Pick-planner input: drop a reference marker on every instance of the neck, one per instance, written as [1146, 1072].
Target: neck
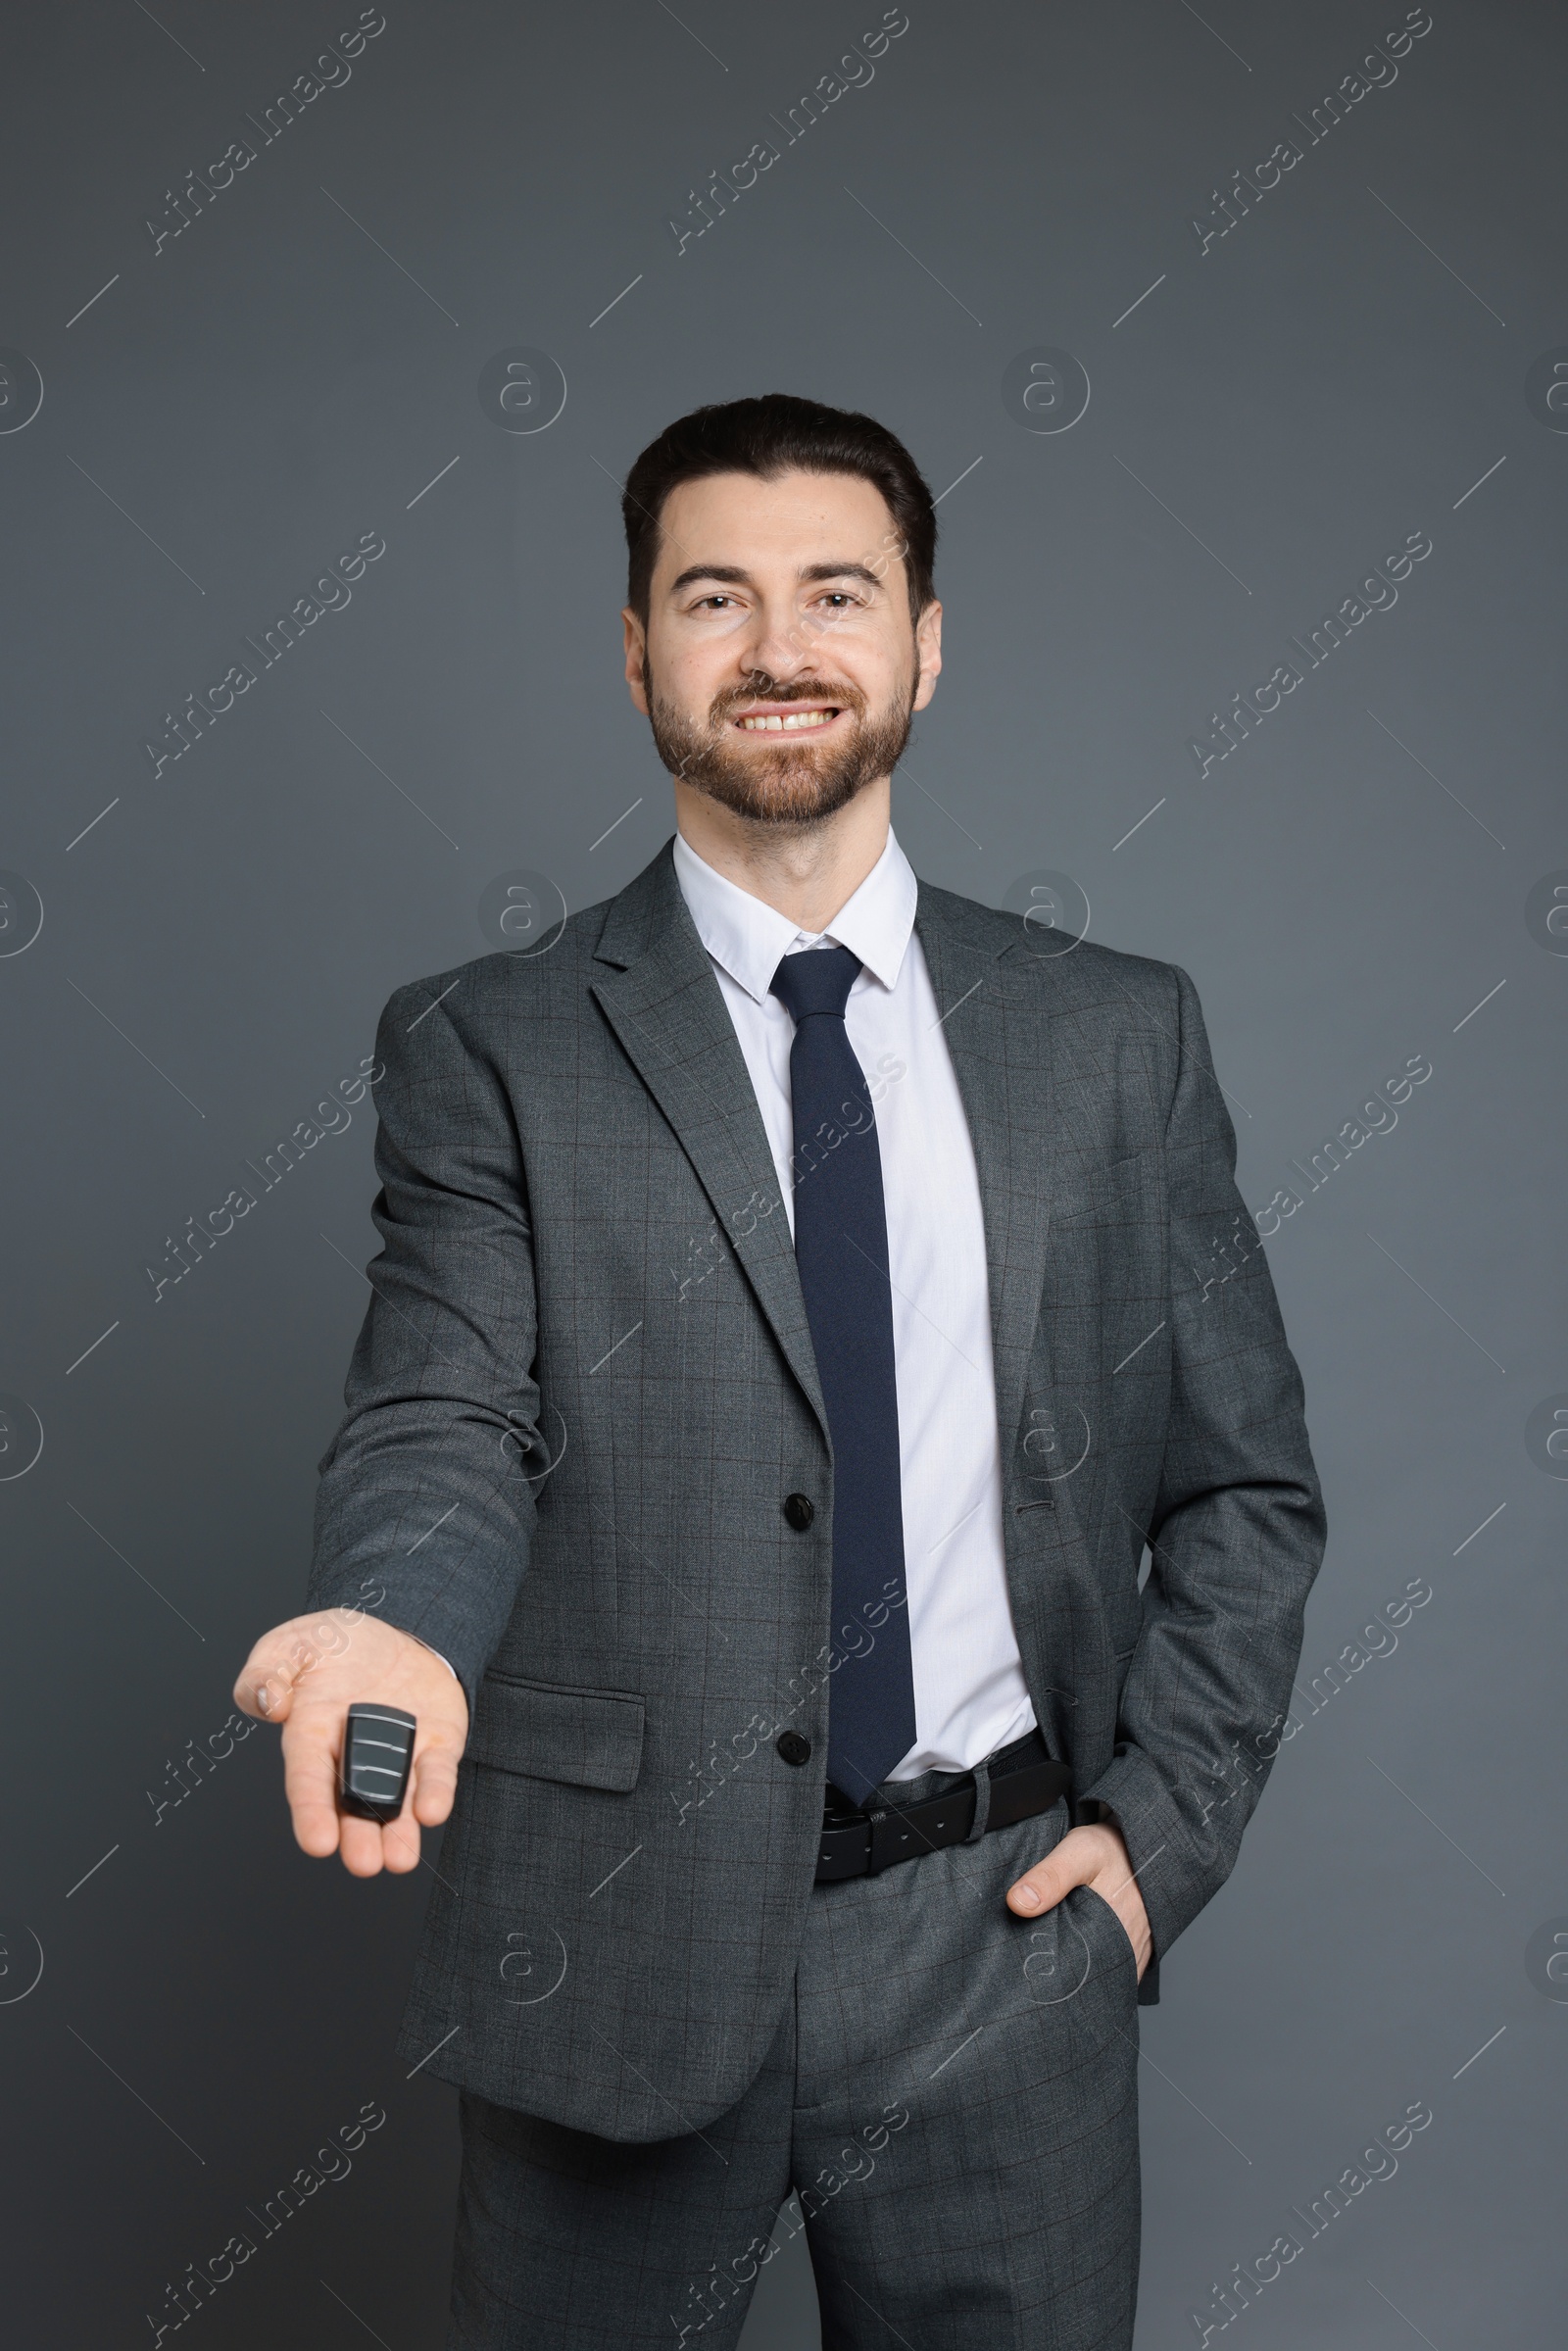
[807, 873]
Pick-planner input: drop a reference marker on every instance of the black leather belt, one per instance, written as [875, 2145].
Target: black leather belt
[1024, 1781]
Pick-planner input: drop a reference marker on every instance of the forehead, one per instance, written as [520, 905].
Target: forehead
[796, 518]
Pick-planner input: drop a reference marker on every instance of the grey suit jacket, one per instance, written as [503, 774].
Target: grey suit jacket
[585, 1386]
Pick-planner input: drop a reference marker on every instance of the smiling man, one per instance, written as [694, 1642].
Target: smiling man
[789, 1336]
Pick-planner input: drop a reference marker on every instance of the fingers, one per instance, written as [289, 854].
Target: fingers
[429, 1800]
[365, 1847]
[435, 1783]
[368, 1846]
[309, 1783]
[400, 1844]
[361, 1847]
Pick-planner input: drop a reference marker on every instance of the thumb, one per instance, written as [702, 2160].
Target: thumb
[1071, 1863]
[270, 1675]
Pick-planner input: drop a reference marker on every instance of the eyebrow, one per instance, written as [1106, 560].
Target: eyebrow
[735, 575]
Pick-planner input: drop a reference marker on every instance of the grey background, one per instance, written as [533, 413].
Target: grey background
[1277, 413]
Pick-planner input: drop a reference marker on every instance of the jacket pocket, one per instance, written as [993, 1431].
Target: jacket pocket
[551, 1731]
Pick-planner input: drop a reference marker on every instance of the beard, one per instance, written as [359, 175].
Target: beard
[794, 782]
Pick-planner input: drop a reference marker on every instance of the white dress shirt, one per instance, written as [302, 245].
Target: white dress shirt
[969, 1691]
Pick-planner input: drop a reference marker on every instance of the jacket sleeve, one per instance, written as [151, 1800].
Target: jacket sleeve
[1236, 1532]
[425, 1504]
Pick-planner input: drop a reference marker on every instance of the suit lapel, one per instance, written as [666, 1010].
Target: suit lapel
[667, 1010]
[1001, 1059]
[657, 991]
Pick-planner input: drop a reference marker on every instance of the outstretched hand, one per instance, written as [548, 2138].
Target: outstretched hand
[1095, 1857]
[303, 1676]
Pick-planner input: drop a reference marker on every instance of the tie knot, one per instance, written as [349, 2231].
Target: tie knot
[816, 980]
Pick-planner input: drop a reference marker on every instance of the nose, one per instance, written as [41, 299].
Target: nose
[778, 646]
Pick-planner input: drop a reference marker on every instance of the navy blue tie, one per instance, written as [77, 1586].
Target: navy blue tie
[841, 1248]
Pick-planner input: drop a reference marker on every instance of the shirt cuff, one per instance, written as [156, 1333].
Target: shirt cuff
[446, 1661]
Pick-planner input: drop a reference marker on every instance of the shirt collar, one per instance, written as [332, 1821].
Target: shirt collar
[748, 937]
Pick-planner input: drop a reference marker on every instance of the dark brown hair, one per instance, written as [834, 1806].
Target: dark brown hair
[770, 436]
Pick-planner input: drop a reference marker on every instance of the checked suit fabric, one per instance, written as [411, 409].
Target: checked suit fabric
[553, 1128]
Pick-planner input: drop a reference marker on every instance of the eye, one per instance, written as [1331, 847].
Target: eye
[715, 601]
[838, 600]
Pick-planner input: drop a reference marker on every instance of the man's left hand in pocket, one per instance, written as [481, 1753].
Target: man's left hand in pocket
[1095, 1857]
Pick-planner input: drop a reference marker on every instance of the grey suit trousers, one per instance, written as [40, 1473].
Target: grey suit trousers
[952, 2092]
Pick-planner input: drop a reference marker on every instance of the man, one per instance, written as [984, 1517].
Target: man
[790, 1330]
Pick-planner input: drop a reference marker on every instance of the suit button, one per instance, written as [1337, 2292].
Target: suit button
[792, 1748]
[800, 1510]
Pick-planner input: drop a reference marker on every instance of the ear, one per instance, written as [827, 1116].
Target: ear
[636, 637]
[928, 652]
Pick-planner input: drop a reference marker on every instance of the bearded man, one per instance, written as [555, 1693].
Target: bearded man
[785, 1346]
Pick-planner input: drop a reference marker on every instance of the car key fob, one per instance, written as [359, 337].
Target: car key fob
[377, 1750]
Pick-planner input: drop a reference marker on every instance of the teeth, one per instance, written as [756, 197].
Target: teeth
[772, 724]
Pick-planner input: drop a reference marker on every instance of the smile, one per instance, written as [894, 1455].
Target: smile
[792, 721]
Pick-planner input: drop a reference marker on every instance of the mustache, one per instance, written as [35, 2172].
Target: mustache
[761, 687]
[792, 781]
